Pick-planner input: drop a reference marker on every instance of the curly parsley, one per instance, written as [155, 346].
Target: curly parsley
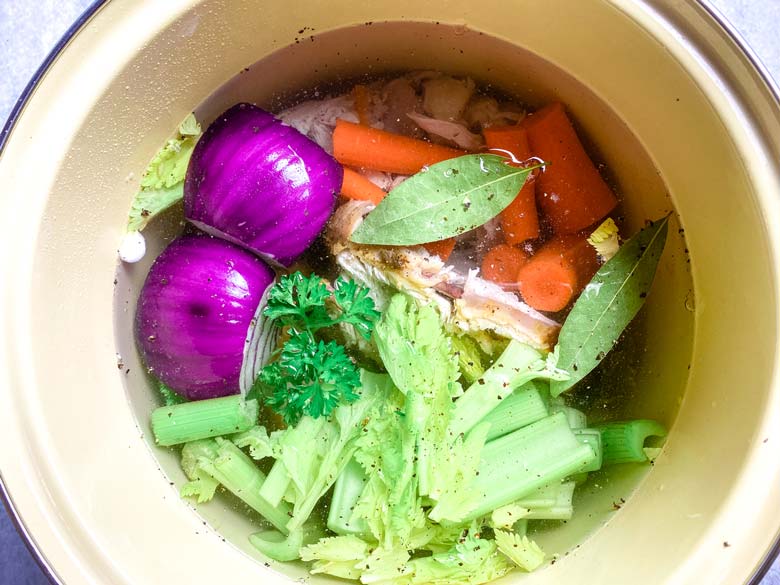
[312, 377]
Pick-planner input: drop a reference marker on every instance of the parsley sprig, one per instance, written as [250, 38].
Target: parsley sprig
[311, 376]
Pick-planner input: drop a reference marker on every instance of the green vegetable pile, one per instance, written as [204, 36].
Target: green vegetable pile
[432, 470]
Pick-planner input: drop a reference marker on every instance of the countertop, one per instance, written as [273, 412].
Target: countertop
[30, 28]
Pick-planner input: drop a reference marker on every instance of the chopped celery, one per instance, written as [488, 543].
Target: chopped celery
[520, 462]
[521, 527]
[507, 516]
[470, 357]
[346, 493]
[522, 551]
[228, 465]
[336, 555]
[578, 478]
[203, 419]
[561, 509]
[624, 442]
[276, 484]
[542, 497]
[576, 418]
[593, 438]
[522, 407]
[278, 546]
[519, 364]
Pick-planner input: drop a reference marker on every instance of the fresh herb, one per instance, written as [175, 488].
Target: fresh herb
[446, 200]
[608, 304]
[312, 377]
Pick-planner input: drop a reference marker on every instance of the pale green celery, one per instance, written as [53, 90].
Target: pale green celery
[276, 484]
[562, 509]
[471, 560]
[203, 419]
[470, 357]
[543, 497]
[230, 466]
[507, 516]
[576, 418]
[519, 364]
[623, 442]
[513, 466]
[522, 551]
[346, 493]
[579, 478]
[261, 445]
[336, 555]
[201, 485]
[279, 547]
[593, 438]
[522, 407]
[521, 527]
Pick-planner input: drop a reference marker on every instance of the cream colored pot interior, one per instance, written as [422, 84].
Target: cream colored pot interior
[100, 501]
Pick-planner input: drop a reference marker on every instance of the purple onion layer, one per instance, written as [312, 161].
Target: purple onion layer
[261, 184]
[194, 312]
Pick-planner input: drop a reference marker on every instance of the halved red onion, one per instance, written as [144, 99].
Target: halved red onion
[194, 312]
[261, 184]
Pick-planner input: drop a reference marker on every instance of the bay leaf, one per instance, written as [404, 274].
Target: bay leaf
[446, 200]
[608, 304]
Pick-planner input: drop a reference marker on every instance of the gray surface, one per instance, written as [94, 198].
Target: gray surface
[30, 28]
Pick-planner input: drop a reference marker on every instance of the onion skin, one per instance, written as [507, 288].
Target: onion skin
[194, 312]
[261, 184]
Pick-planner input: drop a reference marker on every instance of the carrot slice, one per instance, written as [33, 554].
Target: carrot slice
[361, 146]
[570, 192]
[442, 248]
[356, 186]
[557, 273]
[362, 97]
[502, 264]
[519, 221]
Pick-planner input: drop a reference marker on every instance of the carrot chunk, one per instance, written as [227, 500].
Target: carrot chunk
[557, 273]
[570, 191]
[519, 221]
[356, 186]
[355, 145]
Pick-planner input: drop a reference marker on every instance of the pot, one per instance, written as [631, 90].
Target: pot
[669, 100]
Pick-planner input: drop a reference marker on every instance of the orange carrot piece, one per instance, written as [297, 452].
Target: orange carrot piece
[362, 97]
[442, 248]
[356, 186]
[557, 273]
[519, 221]
[361, 146]
[570, 192]
[502, 264]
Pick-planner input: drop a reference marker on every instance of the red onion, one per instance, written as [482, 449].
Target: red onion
[194, 313]
[261, 184]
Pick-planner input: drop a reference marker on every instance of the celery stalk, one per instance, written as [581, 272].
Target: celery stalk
[523, 407]
[593, 438]
[203, 419]
[283, 548]
[227, 464]
[518, 463]
[624, 442]
[561, 509]
[576, 418]
[543, 497]
[276, 484]
[346, 493]
[518, 365]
